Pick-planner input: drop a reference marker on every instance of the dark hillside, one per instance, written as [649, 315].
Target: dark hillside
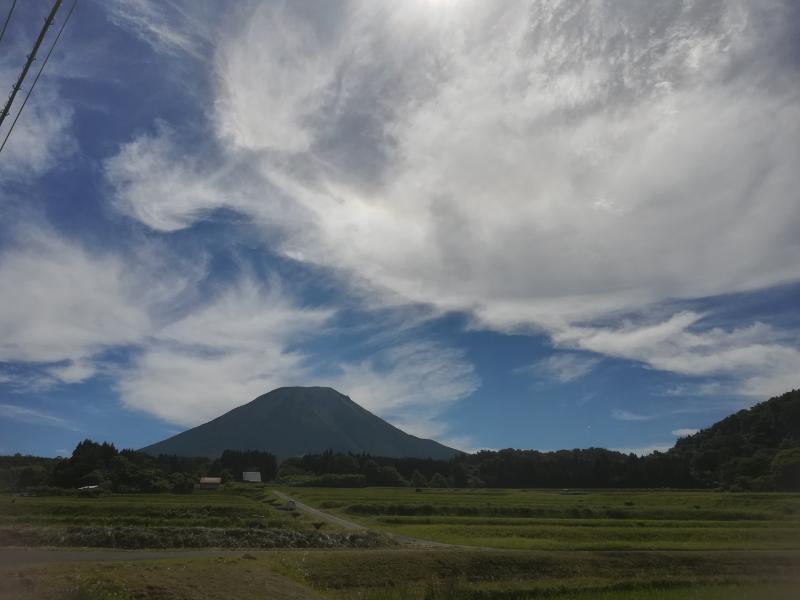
[756, 448]
[293, 421]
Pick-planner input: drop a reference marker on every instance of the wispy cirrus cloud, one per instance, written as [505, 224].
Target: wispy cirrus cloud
[384, 172]
[33, 417]
[62, 302]
[42, 139]
[563, 367]
[757, 360]
[619, 414]
[222, 353]
[179, 27]
[411, 385]
[192, 354]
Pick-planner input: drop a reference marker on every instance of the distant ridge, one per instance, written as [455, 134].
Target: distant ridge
[292, 421]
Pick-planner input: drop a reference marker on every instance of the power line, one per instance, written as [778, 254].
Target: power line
[8, 18]
[44, 63]
[31, 57]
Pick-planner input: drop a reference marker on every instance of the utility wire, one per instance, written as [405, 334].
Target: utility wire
[8, 18]
[31, 57]
[44, 63]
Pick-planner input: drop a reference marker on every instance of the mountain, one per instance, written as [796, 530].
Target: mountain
[292, 421]
[756, 448]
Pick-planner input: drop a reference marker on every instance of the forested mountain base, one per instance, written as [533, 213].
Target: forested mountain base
[756, 449]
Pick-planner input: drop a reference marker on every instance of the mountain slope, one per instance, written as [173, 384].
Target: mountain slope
[292, 421]
[750, 449]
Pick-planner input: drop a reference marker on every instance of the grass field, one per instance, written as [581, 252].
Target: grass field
[417, 575]
[591, 520]
[513, 545]
[238, 516]
[398, 574]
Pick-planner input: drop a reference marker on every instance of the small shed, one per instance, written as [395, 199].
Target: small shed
[252, 475]
[209, 483]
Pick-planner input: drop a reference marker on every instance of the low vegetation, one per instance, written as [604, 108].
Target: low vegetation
[237, 516]
[421, 575]
[438, 574]
[574, 519]
[512, 544]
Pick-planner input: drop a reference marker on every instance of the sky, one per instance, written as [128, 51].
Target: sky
[545, 224]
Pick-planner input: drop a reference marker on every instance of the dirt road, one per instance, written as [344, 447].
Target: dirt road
[315, 512]
[345, 524]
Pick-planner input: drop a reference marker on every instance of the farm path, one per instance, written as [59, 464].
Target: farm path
[315, 512]
[352, 525]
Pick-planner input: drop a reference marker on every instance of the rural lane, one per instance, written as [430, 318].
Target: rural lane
[343, 523]
[353, 526]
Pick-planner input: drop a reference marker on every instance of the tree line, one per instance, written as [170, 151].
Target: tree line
[754, 449]
[103, 467]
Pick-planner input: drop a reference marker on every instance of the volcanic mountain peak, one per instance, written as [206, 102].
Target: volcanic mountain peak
[292, 421]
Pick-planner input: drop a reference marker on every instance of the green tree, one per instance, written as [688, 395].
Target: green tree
[389, 476]
[343, 463]
[180, 483]
[371, 471]
[418, 479]
[785, 469]
[31, 476]
[438, 481]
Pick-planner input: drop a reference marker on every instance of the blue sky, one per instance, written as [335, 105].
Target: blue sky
[522, 224]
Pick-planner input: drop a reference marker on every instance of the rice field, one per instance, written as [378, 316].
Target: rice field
[573, 520]
[506, 545]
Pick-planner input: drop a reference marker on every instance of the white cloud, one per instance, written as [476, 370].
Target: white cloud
[74, 371]
[685, 432]
[563, 367]
[235, 348]
[756, 356]
[33, 417]
[291, 87]
[194, 355]
[159, 188]
[64, 305]
[182, 28]
[62, 302]
[189, 387]
[709, 388]
[221, 354]
[410, 385]
[624, 415]
[537, 165]
[42, 137]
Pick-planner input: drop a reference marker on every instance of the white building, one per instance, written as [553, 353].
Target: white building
[252, 476]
